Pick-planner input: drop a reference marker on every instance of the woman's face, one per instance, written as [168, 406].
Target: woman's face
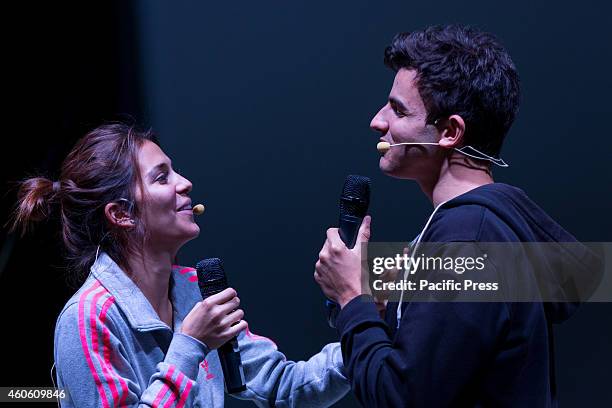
[167, 212]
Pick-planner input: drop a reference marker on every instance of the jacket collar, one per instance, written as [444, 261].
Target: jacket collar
[184, 294]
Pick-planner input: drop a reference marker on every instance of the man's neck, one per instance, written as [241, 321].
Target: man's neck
[457, 176]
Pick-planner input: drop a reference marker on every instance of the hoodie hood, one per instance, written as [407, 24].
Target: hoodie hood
[525, 221]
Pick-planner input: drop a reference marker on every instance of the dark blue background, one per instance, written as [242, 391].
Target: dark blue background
[266, 106]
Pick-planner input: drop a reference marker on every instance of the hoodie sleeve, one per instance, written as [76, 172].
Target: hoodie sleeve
[272, 381]
[94, 370]
[437, 349]
[434, 355]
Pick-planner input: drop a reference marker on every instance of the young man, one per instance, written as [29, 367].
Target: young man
[456, 90]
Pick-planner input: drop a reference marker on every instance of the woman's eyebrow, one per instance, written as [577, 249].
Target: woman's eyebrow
[155, 169]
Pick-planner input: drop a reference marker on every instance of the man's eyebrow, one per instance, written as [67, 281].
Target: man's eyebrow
[398, 103]
[158, 167]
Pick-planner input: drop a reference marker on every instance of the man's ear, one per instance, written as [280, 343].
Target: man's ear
[117, 215]
[451, 131]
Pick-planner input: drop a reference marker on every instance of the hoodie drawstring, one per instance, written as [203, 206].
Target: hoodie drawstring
[412, 253]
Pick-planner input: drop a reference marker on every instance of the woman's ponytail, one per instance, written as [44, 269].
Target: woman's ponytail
[37, 196]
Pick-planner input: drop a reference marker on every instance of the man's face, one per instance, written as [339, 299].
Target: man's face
[402, 119]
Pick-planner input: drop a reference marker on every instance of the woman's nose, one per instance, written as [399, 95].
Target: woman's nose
[184, 186]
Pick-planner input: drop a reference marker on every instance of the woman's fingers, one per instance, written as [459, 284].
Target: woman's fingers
[232, 318]
[227, 307]
[235, 329]
[221, 297]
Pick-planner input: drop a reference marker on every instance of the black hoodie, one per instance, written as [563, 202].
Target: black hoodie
[452, 354]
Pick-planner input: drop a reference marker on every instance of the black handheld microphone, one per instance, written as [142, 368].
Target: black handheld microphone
[212, 280]
[354, 203]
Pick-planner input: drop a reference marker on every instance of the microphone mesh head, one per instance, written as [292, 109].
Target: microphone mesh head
[211, 277]
[355, 197]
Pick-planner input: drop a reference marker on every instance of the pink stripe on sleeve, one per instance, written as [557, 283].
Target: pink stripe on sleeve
[106, 350]
[164, 388]
[254, 336]
[185, 394]
[177, 384]
[83, 337]
[160, 395]
[93, 331]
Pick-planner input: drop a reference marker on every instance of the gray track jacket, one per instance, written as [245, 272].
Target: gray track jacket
[111, 350]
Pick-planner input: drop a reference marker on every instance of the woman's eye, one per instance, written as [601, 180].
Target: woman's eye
[162, 178]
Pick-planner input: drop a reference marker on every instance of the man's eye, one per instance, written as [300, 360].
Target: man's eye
[398, 112]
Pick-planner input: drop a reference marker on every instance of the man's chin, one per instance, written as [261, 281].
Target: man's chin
[393, 171]
[387, 167]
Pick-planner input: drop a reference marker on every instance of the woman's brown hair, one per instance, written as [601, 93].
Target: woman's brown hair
[101, 168]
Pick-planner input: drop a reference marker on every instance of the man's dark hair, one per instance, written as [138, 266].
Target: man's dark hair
[462, 71]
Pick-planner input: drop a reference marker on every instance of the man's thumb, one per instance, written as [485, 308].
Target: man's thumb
[364, 230]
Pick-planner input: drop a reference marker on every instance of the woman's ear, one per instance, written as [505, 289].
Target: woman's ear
[117, 215]
[451, 131]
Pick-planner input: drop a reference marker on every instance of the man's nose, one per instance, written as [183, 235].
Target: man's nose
[379, 123]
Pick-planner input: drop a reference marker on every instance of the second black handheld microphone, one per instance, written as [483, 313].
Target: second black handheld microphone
[212, 280]
[354, 203]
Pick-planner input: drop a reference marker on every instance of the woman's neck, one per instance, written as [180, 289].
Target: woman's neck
[151, 273]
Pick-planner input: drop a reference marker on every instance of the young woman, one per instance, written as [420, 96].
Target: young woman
[137, 333]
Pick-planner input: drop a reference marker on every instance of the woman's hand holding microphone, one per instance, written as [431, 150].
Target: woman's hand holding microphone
[216, 319]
